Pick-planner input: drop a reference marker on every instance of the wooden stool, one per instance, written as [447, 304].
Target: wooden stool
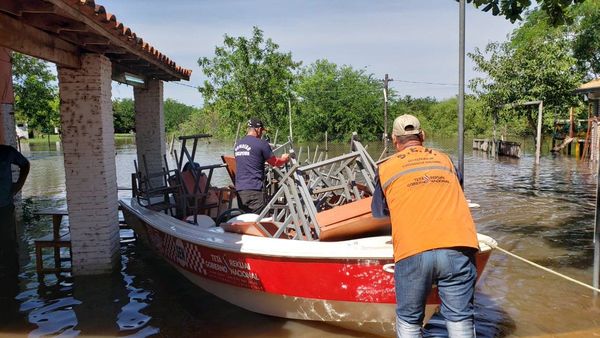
[48, 241]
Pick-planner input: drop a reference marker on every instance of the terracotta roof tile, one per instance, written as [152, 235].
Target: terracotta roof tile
[117, 29]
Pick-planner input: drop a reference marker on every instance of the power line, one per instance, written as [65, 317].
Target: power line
[336, 90]
[429, 83]
[184, 84]
[396, 80]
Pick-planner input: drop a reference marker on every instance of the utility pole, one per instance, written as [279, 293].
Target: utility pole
[290, 108]
[290, 117]
[386, 80]
[461, 88]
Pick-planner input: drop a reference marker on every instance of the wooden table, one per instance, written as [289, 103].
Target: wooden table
[57, 216]
[55, 240]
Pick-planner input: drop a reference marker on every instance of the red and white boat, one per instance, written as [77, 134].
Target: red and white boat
[347, 283]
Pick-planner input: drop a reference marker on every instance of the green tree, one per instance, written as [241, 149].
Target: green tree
[542, 69]
[557, 10]
[584, 34]
[439, 118]
[586, 42]
[123, 115]
[420, 107]
[248, 77]
[535, 27]
[200, 121]
[338, 100]
[36, 94]
[176, 113]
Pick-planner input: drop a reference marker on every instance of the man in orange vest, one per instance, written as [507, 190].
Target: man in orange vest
[433, 233]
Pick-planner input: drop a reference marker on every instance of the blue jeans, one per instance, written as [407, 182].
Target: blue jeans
[454, 273]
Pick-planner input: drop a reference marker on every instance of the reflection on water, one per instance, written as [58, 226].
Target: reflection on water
[544, 213]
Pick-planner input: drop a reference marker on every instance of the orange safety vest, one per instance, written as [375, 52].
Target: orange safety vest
[428, 209]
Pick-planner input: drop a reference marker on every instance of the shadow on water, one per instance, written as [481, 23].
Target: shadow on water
[60, 304]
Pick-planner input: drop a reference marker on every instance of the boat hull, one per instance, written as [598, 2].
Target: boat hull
[316, 283]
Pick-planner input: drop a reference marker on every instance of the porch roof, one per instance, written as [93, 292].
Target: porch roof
[589, 87]
[60, 30]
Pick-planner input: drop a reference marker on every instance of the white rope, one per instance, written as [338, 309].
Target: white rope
[495, 246]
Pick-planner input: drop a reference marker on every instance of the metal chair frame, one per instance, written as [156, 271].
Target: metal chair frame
[302, 191]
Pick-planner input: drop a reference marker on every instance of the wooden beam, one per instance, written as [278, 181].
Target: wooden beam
[134, 63]
[98, 27]
[18, 7]
[82, 39]
[103, 49]
[123, 57]
[26, 39]
[53, 23]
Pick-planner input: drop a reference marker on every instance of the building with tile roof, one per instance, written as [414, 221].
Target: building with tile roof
[91, 48]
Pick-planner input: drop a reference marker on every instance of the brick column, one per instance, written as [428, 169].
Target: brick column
[150, 125]
[8, 134]
[90, 170]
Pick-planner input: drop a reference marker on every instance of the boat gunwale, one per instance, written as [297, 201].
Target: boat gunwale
[368, 248]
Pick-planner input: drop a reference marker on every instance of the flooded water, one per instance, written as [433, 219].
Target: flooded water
[544, 213]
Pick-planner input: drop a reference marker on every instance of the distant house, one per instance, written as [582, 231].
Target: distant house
[591, 90]
[22, 131]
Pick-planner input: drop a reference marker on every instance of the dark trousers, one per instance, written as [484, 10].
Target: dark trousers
[9, 258]
[9, 266]
[252, 200]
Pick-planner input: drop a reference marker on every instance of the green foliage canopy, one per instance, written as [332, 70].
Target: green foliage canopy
[557, 10]
[247, 77]
[36, 94]
[123, 115]
[176, 113]
[583, 34]
[439, 118]
[338, 100]
[542, 69]
[586, 42]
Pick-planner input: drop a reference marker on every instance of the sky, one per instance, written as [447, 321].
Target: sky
[414, 41]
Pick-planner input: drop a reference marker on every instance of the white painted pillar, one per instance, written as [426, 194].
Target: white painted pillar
[150, 125]
[7, 98]
[90, 170]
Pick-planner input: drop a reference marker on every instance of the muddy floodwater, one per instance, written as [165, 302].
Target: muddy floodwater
[544, 213]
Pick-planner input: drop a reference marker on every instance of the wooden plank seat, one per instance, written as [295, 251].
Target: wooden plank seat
[50, 241]
[351, 220]
[348, 221]
[231, 168]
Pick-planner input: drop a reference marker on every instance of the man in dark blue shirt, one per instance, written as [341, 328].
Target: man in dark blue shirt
[8, 189]
[251, 152]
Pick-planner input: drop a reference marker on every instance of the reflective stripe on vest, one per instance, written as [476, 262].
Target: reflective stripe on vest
[425, 216]
[413, 170]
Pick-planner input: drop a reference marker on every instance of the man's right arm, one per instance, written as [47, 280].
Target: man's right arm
[278, 161]
[270, 158]
[379, 207]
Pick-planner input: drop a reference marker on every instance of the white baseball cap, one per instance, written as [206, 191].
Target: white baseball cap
[406, 125]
